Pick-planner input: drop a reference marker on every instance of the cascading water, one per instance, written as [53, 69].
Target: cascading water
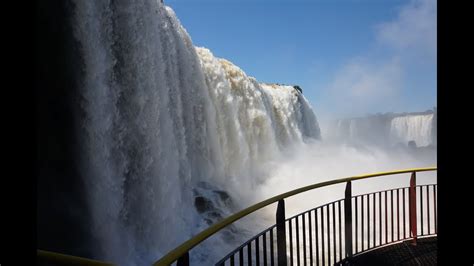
[388, 129]
[254, 120]
[160, 118]
[418, 128]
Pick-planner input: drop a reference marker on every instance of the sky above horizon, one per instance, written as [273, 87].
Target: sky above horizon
[351, 57]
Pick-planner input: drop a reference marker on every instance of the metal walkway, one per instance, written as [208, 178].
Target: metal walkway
[424, 253]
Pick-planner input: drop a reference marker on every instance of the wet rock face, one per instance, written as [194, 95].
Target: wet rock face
[412, 144]
[224, 196]
[202, 204]
[63, 217]
[211, 203]
[298, 88]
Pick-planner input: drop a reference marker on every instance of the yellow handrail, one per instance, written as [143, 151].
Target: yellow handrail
[189, 244]
[63, 259]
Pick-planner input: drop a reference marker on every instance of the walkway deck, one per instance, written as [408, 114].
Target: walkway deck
[424, 253]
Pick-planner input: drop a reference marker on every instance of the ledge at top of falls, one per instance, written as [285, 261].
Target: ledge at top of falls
[296, 87]
[390, 115]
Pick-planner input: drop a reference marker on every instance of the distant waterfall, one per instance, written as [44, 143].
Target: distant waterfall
[418, 128]
[388, 129]
[159, 117]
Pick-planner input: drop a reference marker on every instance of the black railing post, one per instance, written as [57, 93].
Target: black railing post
[348, 219]
[281, 233]
[183, 260]
[412, 202]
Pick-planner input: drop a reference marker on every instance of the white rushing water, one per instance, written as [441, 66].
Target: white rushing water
[387, 130]
[418, 128]
[159, 119]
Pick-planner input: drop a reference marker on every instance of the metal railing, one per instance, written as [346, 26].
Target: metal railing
[283, 239]
[331, 233]
[52, 258]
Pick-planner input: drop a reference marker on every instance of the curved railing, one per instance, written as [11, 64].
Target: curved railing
[53, 258]
[334, 234]
[317, 236]
[181, 253]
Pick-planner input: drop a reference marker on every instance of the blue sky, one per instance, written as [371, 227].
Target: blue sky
[351, 57]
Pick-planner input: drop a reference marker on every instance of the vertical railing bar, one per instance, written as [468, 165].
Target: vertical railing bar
[410, 233]
[356, 227]
[412, 202]
[265, 261]
[348, 220]
[368, 221]
[398, 214]
[367, 209]
[428, 207]
[249, 253]
[362, 222]
[421, 210]
[183, 260]
[281, 233]
[323, 242]
[232, 260]
[304, 240]
[386, 218]
[374, 221]
[404, 216]
[272, 251]
[310, 238]
[257, 251]
[391, 211]
[380, 218]
[316, 234]
[328, 238]
[241, 256]
[435, 206]
[340, 230]
[334, 232]
[297, 228]
[291, 240]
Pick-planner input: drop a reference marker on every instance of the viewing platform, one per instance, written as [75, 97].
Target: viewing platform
[405, 253]
[397, 226]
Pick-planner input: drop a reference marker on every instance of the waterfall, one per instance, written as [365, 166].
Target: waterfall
[253, 120]
[388, 129]
[159, 117]
[418, 128]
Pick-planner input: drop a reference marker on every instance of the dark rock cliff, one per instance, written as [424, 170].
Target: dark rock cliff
[62, 214]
